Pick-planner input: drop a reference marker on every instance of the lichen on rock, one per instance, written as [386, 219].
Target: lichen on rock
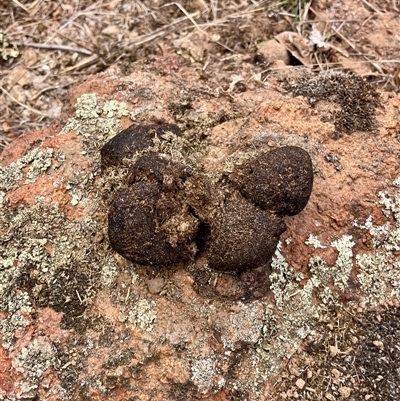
[102, 332]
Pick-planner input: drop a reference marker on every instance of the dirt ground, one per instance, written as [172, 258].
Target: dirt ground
[47, 47]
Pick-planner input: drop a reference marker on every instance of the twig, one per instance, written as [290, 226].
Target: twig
[186, 13]
[372, 7]
[83, 63]
[56, 47]
[214, 8]
[21, 104]
[344, 38]
[158, 32]
[373, 63]
[21, 5]
[73, 18]
[50, 88]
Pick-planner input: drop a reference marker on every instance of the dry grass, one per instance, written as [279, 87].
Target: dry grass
[62, 42]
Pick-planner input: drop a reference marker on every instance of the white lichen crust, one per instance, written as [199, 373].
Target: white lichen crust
[379, 275]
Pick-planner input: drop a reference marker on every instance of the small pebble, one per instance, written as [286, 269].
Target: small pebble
[378, 344]
[344, 392]
[333, 351]
[155, 285]
[300, 383]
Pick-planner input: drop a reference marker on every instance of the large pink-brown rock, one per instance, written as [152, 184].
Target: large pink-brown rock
[78, 321]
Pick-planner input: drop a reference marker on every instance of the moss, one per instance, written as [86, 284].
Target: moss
[357, 99]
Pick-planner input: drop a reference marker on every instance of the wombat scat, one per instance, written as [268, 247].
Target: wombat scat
[172, 211]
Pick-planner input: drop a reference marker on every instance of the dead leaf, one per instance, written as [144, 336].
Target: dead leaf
[299, 47]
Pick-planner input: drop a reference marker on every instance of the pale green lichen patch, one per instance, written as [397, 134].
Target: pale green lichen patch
[16, 305]
[284, 282]
[109, 272]
[77, 186]
[34, 360]
[338, 274]
[391, 203]
[282, 333]
[39, 165]
[315, 242]
[379, 275]
[203, 372]
[28, 267]
[87, 107]
[244, 325]
[284, 329]
[91, 122]
[344, 262]
[114, 108]
[297, 313]
[142, 313]
[379, 234]
[96, 118]
[11, 175]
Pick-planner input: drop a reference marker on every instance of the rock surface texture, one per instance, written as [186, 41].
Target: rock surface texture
[79, 321]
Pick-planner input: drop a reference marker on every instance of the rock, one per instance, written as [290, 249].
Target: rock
[77, 321]
[300, 383]
[274, 51]
[156, 285]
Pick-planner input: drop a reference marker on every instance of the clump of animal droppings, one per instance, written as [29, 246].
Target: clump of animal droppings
[242, 235]
[171, 211]
[133, 140]
[357, 99]
[149, 222]
[280, 180]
